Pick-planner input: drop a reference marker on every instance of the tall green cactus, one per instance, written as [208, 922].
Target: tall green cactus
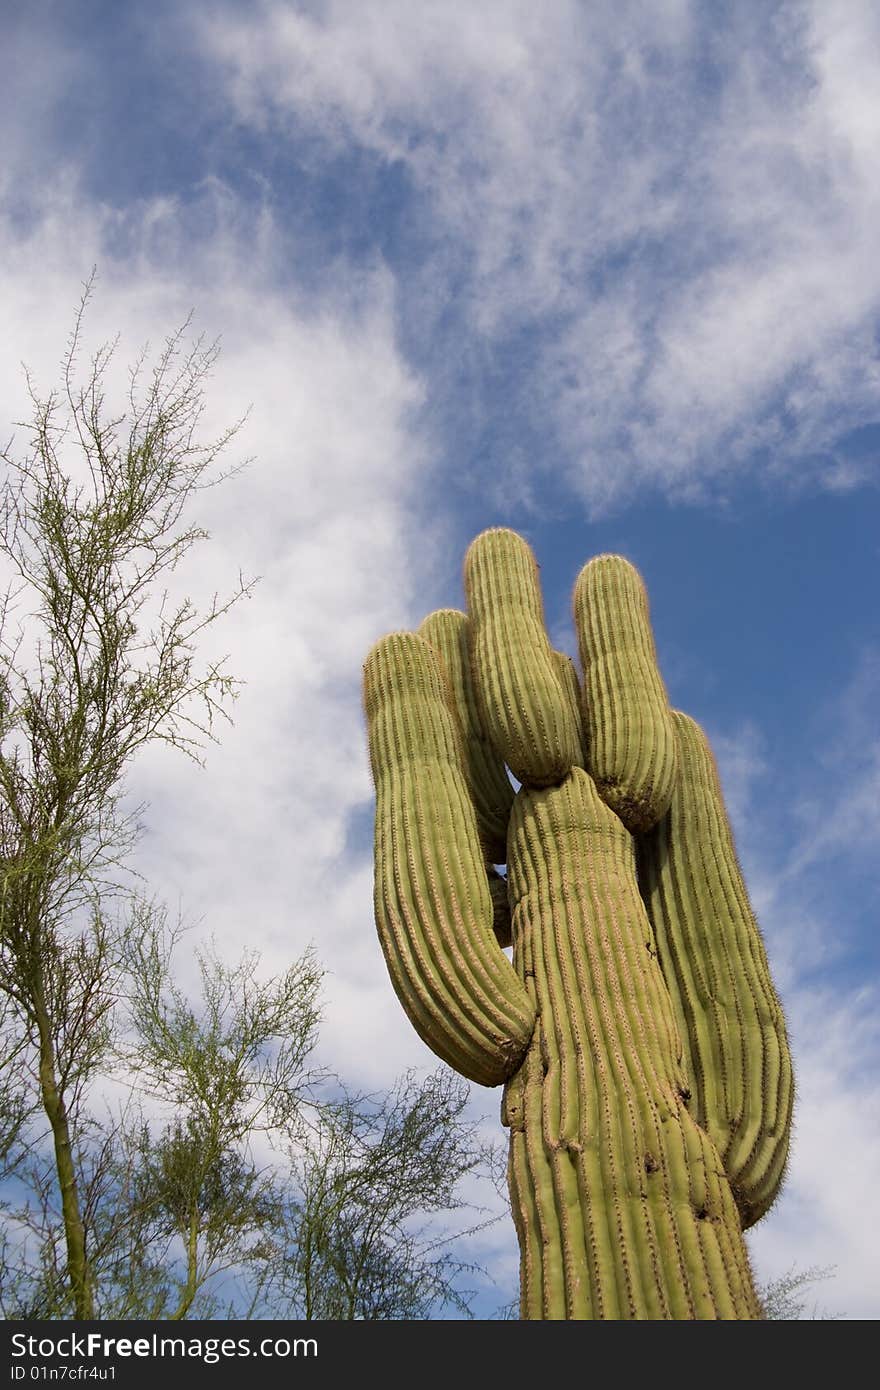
[648, 1083]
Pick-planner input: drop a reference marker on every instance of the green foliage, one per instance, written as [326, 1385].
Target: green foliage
[96, 662]
[369, 1180]
[238, 1179]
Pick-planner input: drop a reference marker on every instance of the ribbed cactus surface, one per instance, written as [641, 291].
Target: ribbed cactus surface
[619, 1199]
[631, 747]
[432, 900]
[725, 1003]
[448, 632]
[648, 1081]
[519, 682]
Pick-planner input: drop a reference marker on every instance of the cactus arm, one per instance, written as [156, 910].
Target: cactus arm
[433, 906]
[719, 980]
[619, 1199]
[630, 739]
[448, 631]
[523, 705]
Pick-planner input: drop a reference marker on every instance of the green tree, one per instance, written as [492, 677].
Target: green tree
[240, 1180]
[234, 1073]
[316, 1202]
[366, 1184]
[95, 663]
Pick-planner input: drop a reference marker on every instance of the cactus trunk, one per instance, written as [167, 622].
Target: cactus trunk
[620, 1199]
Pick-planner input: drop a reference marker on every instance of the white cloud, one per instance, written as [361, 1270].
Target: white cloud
[742, 762]
[684, 216]
[255, 845]
[829, 1211]
[546, 140]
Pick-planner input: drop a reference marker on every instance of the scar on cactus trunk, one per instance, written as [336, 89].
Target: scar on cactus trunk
[644, 1133]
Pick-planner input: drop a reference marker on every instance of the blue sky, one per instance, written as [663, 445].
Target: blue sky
[604, 273]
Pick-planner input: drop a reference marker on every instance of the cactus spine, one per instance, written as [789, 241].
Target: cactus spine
[643, 1129]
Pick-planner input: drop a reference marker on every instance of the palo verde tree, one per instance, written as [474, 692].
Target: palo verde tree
[274, 1191]
[237, 1178]
[95, 663]
[361, 1238]
[785, 1298]
[233, 1071]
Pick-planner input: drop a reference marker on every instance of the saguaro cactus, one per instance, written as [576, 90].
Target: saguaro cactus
[642, 1047]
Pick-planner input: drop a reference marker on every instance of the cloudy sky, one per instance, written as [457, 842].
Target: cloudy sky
[605, 273]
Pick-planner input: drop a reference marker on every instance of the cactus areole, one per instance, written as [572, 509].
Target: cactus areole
[637, 1033]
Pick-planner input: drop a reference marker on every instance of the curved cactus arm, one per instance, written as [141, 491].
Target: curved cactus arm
[524, 707]
[619, 1198]
[433, 907]
[629, 735]
[448, 631]
[716, 968]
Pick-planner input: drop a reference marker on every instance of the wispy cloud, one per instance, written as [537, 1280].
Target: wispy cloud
[682, 214]
[638, 255]
[841, 818]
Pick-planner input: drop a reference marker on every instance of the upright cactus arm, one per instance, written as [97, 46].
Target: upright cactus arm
[571, 692]
[655, 768]
[631, 747]
[433, 906]
[719, 980]
[520, 685]
[449, 632]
